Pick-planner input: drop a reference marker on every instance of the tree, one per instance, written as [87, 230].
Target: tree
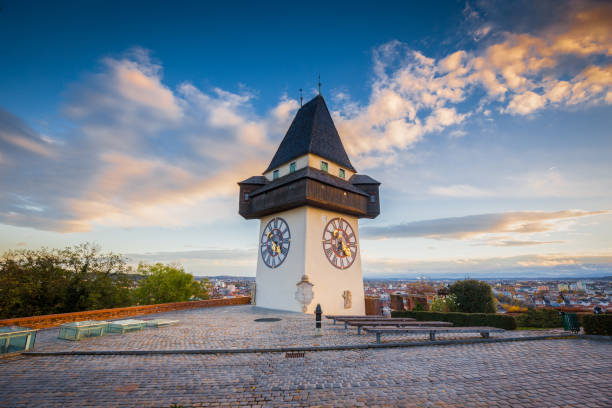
[35, 282]
[473, 296]
[167, 283]
[444, 304]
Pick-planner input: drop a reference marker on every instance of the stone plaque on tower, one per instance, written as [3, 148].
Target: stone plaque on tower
[309, 201]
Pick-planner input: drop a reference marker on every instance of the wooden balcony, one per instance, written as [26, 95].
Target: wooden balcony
[310, 187]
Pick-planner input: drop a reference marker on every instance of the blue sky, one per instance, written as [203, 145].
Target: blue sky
[128, 125]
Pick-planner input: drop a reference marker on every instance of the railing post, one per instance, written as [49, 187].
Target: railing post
[318, 313]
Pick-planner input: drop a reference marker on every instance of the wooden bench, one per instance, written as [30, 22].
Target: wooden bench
[393, 323]
[343, 318]
[484, 331]
[384, 319]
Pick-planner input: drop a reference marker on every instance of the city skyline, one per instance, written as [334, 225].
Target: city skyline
[489, 129]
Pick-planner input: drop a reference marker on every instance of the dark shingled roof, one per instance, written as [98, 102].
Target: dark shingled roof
[362, 179]
[255, 180]
[314, 174]
[312, 131]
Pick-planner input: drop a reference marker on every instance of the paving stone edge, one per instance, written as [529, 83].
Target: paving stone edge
[309, 348]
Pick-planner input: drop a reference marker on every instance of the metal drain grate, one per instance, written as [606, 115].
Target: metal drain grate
[294, 354]
[268, 319]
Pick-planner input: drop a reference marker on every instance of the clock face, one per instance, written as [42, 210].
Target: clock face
[275, 242]
[339, 243]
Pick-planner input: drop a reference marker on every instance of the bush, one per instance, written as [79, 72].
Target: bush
[540, 318]
[444, 304]
[597, 324]
[167, 283]
[462, 319]
[473, 296]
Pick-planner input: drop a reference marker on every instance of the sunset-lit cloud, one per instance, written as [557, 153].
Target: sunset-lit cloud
[140, 153]
[540, 265]
[551, 182]
[229, 261]
[16, 137]
[470, 226]
[413, 95]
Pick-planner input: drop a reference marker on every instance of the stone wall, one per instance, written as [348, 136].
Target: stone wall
[40, 322]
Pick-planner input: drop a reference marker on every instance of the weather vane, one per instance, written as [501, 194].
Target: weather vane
[319, 84]
[301, 97]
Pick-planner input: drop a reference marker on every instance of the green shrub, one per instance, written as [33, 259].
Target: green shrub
[167, 283]
[462, 319]
[473, 296]
[444, 304]
[597, 324]
[540, 318]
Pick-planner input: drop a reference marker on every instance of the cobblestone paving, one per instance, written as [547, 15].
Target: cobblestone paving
[548, 373]
[234, 327]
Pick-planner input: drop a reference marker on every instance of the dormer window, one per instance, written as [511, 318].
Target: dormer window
[342, 173]
[292, 168]
[373, 198]
[324, 166]
[274, 174]
[246, 196]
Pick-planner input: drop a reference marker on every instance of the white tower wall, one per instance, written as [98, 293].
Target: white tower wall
[276, 287]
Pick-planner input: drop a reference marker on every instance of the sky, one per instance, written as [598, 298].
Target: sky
[128, 125]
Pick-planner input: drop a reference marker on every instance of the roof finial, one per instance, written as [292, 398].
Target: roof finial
[319, 83]
[301, 99]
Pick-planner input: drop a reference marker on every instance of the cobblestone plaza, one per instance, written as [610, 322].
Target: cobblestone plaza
[556, 372]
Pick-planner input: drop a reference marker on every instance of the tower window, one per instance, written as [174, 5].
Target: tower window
[373, 198]
[324, 166]
[275, 175]
[246, 196]
[292, 168]
[342, 173]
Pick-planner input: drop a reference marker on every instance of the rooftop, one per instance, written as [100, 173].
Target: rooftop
[482, 374]
[312, 131]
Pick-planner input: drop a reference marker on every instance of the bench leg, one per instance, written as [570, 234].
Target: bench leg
[377, 338]
[432, 335]
[485, 335]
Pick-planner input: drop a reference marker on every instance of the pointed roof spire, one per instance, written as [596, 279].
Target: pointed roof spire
[312, 131]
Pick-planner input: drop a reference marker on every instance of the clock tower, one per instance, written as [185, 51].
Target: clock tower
[309, 201]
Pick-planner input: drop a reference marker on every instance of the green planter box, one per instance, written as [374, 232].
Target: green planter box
[14, 339]
[124, 326]
[160, 322]
[79, 330]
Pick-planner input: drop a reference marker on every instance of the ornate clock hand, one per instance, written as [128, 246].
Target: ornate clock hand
[346, 250]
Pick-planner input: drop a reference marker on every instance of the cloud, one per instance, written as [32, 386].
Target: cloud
[470, 226]
[526, 266]
[16, 138]
[513, 73]
[551, 182]
[515, 243]
[459, 190]
[205, 262]
[136, 153]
